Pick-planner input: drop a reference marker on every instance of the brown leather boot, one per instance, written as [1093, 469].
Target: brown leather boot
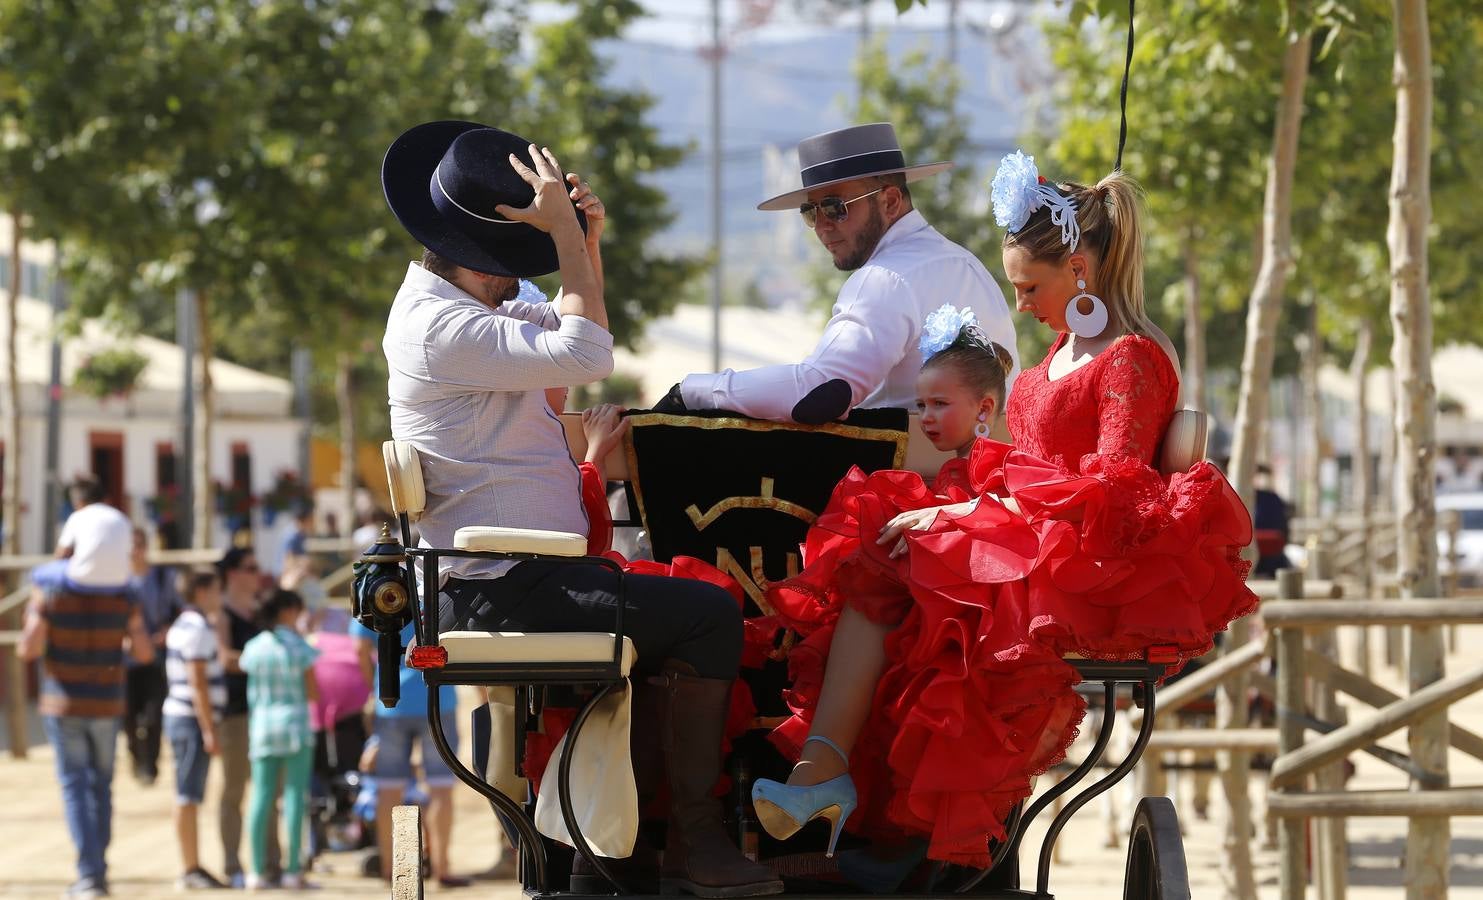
[698, 856]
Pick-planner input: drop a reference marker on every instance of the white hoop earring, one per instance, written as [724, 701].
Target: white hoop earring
[981, 429]
[1086, 324]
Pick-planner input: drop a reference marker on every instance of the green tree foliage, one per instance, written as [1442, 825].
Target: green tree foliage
[1201, 97]
[602, 133]
[235, 149]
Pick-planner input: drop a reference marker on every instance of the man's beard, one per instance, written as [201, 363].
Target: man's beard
[502, 290]
[865, 241]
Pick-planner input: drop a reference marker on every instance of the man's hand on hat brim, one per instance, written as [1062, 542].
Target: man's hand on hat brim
[550, 210]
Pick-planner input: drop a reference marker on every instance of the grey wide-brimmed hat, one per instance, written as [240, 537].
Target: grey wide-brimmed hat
[860, 151]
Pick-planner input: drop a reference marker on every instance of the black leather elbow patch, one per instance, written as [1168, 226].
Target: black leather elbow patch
[826, 403]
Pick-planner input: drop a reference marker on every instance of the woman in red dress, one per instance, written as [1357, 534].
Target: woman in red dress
[930, 682]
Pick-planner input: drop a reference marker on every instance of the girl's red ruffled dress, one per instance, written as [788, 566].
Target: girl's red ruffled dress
[1097, 554]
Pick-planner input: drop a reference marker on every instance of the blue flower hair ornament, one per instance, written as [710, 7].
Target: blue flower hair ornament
[1018, 191]
[941, 329]
[529, 293]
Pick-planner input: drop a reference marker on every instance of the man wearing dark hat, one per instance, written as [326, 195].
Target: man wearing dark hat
[856, 200]
[469, 365]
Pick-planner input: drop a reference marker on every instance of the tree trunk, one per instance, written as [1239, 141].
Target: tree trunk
[1364, 486]
[204, 514]
[15, 670]
[345, 397]
[1313, 411]
[1251, 412]
[1410, 315]
[1194, 325]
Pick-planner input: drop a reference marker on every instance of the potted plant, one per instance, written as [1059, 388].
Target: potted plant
[288, 494]
[110, 373]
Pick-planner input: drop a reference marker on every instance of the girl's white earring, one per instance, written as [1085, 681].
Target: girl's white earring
[981, 429]
[1087, 324]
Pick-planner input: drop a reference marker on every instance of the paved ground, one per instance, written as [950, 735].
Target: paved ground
[36, 857]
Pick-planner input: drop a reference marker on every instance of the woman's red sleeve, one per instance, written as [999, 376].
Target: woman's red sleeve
[599, 518]
[1135, 399]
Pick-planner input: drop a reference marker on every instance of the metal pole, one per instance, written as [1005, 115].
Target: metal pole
[302, 363]
[185, 335]
[54, 415]
[953, 8]
[716, 280]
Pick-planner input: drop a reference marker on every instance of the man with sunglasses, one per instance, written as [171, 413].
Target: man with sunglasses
[241, 580]
[856, 200]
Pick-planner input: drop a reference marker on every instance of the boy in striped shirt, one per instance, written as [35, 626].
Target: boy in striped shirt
[197, 695]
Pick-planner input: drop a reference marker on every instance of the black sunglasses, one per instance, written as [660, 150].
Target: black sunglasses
[833, 208]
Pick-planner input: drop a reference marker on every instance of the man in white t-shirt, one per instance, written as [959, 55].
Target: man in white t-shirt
[93, 551]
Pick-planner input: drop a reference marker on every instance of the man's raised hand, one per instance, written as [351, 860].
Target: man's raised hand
[550, 210]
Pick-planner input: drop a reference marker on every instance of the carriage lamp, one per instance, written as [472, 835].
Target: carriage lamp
[381, 602]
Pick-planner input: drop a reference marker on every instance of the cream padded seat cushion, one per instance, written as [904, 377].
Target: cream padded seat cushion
[519, 540]
[404, 478]
[533, 647]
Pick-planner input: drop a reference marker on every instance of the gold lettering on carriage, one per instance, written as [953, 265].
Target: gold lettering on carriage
[754, 580]
[765, 500]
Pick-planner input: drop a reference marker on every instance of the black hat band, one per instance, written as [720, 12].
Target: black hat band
[856, 166]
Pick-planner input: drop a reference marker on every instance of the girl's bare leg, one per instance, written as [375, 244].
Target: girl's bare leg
[857, 655]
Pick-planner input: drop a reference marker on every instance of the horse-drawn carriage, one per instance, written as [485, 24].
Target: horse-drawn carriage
[534, 669]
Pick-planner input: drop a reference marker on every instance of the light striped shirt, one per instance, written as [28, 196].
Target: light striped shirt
[467, 389]
[277, 699]
[192, 638]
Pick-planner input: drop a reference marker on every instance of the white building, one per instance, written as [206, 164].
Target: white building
[130, 443]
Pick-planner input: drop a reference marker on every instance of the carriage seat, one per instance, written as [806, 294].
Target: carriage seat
[1184, 441]
[408, 495]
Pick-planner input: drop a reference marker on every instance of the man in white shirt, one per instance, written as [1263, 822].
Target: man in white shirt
[469, 363]
[95, 546]
[855, 198]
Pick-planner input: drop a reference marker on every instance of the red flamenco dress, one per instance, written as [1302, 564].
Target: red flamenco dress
[1097, 554]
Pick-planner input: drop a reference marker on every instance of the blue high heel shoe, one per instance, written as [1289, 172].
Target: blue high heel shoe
[783, 809]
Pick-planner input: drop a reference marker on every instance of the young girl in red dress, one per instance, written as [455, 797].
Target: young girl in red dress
[930, 683]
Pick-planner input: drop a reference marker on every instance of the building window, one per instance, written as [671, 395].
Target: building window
[106, 449]
[242, 467]
[165, 475]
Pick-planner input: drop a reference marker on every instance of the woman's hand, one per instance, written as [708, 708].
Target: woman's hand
[588, 202]
[916, 520]
[604, 427]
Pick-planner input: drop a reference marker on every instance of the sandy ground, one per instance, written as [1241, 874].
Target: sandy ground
[36, 857]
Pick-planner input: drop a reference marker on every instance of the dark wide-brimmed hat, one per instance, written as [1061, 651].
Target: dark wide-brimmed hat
[860, 151]
[443, 181]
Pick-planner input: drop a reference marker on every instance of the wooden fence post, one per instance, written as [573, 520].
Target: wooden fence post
[1291, 709]
[1331, 842]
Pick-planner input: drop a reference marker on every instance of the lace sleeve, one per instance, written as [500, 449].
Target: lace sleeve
[1135, 398]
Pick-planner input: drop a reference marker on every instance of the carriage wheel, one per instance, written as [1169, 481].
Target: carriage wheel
[1156, 867]
[406, 853]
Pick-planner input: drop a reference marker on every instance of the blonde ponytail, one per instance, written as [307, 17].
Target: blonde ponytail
[1120, 268]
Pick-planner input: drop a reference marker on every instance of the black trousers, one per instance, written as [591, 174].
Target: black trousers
[144, 701]
[667, 618]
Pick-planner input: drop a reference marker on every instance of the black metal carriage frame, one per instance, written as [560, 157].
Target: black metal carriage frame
[1155, 825]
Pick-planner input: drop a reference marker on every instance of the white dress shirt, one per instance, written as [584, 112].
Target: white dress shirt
[871, 339]
[467, 389]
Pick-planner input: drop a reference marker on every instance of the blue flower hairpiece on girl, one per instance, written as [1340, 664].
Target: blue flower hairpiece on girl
[529, 293]
[941, 329]
[1018, 191]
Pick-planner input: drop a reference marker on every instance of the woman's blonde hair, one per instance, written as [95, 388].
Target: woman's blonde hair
[1107, 213]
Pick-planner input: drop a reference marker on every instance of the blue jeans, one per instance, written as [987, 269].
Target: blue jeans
[85, 748]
